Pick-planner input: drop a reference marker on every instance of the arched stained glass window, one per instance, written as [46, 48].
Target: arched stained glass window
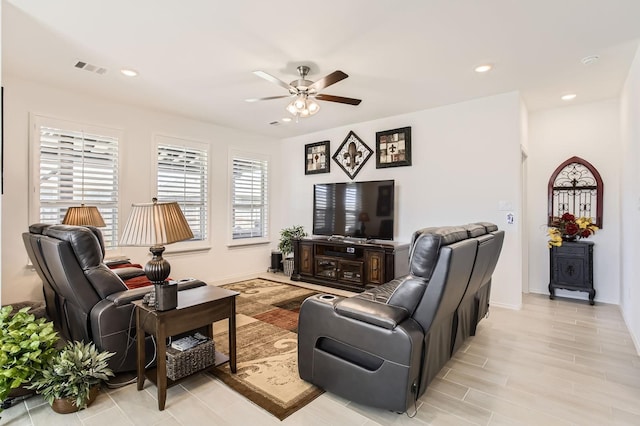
[576, 187]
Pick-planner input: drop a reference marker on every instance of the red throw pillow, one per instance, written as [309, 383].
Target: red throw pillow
[137, 282]
[125, 265]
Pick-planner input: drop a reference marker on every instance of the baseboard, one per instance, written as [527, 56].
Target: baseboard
[575, 295]
[635, 341]
[506, 306]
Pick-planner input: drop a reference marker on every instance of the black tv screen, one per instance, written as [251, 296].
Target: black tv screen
[354, 209]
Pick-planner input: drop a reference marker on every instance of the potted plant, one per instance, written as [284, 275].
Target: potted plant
[286, 245]
[71, 380]
[26, 345]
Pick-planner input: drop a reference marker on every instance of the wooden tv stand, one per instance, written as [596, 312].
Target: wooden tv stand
[349, 264]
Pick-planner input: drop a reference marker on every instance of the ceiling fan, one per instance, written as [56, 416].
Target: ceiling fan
[306, 92]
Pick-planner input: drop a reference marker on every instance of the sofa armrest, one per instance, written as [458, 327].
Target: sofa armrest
[128, 272]
[188, 283]
[116, 261]
[127, 296]
[375, 313]
[319, 319]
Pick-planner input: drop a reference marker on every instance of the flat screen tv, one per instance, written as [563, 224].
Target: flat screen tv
[354, 209]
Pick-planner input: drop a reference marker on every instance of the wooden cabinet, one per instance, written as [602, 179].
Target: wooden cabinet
[375, 267]
[306, 258]
[348, 264]
[571, 268]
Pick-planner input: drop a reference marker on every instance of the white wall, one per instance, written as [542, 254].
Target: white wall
[592, 132]
[138, 126]
[465, 160]
[630, 189]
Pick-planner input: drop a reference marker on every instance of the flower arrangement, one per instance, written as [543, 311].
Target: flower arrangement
[568, 228]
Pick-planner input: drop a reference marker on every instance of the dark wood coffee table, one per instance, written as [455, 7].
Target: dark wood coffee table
[197, 308]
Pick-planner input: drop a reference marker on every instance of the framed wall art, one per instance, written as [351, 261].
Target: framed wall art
[317, 158]
[352, 154]
[393, 148]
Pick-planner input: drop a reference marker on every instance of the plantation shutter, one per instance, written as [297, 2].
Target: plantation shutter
[78, 167]
[183, 177]
[249, 198]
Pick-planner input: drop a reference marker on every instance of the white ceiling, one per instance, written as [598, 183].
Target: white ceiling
[196, 57]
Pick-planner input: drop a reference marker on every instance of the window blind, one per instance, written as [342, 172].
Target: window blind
[249, 198]
[183, 177]
[78, 167]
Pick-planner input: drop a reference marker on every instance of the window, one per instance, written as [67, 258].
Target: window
[182, 176]
[249, 201]
[75, 166]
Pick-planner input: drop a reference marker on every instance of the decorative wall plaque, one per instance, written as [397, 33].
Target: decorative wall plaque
[576, 187]
[317, 158]
[393, 148]
[352, 154]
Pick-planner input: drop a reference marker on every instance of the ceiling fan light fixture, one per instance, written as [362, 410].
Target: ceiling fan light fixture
[292, 108]
[299, 103]
[302, 106]
[305, 92]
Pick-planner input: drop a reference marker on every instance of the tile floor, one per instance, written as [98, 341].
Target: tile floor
[558, 362]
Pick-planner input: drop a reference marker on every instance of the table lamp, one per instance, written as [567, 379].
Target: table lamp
[363, 217]
[83, 216]
[156, 224]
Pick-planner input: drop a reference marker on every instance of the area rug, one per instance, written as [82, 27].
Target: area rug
[267, 346]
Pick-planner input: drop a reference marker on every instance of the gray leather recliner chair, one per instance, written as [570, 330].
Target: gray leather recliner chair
[383, 347]
[90, 301]
[475, 303]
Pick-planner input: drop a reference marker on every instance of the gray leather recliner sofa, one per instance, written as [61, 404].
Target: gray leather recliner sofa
[86, 300]
[384, 346]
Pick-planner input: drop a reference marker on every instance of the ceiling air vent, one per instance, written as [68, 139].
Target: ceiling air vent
[89, 67]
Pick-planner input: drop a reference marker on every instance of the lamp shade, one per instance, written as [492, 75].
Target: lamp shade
[364, 217]
[83, 216]
[155, 224]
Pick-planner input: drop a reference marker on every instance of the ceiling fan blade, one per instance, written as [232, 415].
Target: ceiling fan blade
[267, 98]
[328, 80]
[340, 99]
[273, 79]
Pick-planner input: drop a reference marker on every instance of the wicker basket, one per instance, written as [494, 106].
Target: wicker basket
[288, 266]
[183, 363]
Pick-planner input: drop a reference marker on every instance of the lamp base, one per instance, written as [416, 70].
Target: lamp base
[166, 296]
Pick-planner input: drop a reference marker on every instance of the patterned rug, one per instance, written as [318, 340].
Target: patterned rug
[267, 346]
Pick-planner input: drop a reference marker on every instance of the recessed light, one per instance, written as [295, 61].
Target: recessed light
[568, 97]
[588, 60]
[286, 119]
[129, 72]
[483, 68]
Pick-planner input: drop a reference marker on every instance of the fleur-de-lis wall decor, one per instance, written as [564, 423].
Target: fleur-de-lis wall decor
[352, 154]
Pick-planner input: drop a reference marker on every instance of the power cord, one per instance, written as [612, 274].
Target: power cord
[414, 391]
[130, 341]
